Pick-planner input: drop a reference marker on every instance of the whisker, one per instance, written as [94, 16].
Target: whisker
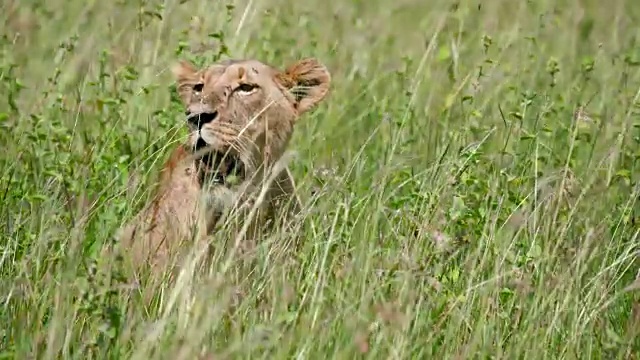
[240, 143]
[250, 122]
[241, 148]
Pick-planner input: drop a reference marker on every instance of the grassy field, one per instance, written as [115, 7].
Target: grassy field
[471, 183]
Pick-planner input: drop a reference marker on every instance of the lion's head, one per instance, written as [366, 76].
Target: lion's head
[244, 111]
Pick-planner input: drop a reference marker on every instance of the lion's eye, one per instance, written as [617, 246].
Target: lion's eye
[198, 87]
[246, 87]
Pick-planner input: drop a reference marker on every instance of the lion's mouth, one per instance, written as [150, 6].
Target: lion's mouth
[217, 166]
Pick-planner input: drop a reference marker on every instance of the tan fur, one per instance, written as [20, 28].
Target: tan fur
[257, 108]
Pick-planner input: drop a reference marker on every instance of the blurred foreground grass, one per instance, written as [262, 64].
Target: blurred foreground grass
[471, 182]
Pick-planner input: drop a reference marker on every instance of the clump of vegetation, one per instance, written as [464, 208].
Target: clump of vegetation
[471, 182]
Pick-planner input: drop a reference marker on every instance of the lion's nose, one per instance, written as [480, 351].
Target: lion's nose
[201, 119]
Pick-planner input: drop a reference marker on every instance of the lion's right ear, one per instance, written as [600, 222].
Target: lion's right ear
[186, 75]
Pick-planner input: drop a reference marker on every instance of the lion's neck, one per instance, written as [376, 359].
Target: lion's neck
[182, 190]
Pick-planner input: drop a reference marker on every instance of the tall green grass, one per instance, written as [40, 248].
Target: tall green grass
[470, 185]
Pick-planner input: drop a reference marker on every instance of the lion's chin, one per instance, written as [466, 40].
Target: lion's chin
[218, 166]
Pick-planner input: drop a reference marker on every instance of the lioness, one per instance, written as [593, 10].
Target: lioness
[241, 115]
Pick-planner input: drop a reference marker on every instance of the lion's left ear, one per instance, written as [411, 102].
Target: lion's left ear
[308, 80]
